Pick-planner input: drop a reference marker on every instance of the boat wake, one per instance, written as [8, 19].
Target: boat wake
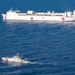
[29, 62]
[17, 61]
[42, 63]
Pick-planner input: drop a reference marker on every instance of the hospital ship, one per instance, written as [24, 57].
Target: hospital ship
[31, 15]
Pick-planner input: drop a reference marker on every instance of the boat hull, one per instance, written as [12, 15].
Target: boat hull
[38, 18]
[6, 59]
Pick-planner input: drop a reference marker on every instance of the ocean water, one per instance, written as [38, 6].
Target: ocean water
[50, 47]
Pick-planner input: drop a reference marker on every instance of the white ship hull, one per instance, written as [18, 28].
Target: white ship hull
[30, 16]
[15, 59]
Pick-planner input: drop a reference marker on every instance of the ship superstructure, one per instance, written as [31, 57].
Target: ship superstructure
[30, 15]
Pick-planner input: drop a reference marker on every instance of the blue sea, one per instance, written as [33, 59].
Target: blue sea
[49, 46]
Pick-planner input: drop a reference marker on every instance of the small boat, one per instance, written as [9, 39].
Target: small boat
[15, 59]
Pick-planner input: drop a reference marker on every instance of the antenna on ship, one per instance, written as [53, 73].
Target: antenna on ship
[11, 8]
[18, 54]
